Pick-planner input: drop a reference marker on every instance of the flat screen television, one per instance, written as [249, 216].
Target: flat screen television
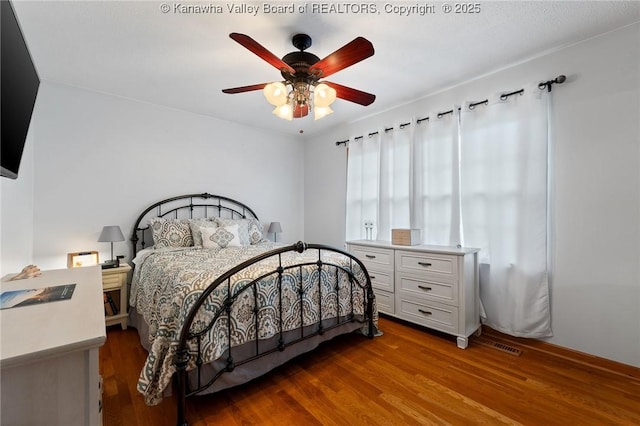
[19, 84]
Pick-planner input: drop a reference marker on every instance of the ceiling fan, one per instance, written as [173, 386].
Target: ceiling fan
[302, 71]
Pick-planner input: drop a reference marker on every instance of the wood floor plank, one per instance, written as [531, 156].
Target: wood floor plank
[407, 376]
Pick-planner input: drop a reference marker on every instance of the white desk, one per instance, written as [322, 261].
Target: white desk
[49, 352]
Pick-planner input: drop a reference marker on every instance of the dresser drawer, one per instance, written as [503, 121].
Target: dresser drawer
[426, 288]
[382, 280]
[385, 302]
[441, 264]
[433, 315]
[374, 258]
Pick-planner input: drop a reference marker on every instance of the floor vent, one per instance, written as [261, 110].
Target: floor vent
[499, 346]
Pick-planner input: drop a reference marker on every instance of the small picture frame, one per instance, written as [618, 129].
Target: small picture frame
[82, 258]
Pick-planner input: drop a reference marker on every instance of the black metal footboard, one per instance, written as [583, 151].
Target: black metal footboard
[348, 278]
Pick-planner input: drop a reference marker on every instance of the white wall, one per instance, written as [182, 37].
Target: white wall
[596, 185]
[16, 212]
[99, 160]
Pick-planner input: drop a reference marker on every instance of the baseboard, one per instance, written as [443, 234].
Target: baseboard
[573, 355]
[567, 353]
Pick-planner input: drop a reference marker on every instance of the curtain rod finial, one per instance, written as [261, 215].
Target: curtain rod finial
[547, 84]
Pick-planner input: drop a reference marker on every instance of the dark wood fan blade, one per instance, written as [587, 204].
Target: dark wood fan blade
[245, 88]
[349, 54]
[261, 51]
[352, 95]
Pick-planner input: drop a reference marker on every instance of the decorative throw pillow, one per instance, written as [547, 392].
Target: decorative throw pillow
[221, 237]
[256, 231]
[196, 224]
[243, 228]
[171, 232]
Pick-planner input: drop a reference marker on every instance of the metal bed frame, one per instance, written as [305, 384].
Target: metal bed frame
[188, 206]
[206, 204]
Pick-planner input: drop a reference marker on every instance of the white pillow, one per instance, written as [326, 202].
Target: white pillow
[243, 228]
[196, 224]
[221, 237]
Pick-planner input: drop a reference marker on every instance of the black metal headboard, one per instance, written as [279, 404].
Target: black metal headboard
[187, 207]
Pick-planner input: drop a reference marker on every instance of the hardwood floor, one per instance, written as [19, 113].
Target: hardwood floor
[408, 376]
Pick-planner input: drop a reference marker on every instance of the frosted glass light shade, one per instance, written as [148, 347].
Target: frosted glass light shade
[320, 112]
[323, 95]
[276, 93]
[284, 111]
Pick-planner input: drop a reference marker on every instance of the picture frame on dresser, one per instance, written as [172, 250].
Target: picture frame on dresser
[433, 286]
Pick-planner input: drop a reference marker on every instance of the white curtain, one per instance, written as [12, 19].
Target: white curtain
[503, 167]
[395, 180]
[475, 177]
[363, 178]
[436, 195]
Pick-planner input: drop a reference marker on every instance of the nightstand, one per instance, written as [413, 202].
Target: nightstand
[114, 285]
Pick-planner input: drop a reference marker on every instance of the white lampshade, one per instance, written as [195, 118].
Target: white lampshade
[323, 95]
[276, 93]
[320, 112]
[110, 234]
[284, 111]
[274, 227]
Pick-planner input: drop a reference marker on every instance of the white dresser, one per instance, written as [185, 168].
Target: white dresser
[49, 353]
[434, 286]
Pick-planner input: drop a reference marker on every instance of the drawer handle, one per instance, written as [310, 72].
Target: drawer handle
[424, 312]
[421, 287]
[370, 256]
[373, 277]
[425, 264]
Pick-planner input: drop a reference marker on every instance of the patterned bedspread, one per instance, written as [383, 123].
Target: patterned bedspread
[167, 282]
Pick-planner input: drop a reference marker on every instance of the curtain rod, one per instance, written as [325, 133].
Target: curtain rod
[543, 85]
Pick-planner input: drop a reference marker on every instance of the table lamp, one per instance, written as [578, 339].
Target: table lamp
[274, 228]
[110, 234]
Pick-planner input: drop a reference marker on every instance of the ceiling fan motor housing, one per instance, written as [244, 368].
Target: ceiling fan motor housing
[301, 62]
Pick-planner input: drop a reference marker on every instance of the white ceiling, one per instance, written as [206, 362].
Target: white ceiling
[184, 60]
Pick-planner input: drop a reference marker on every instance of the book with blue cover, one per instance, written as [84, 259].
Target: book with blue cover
[35, 296]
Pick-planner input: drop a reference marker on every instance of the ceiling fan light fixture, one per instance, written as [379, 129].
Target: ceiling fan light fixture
[323, 95]
[284, 111]
[301, 91]
[321, 112]
[276, 93]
